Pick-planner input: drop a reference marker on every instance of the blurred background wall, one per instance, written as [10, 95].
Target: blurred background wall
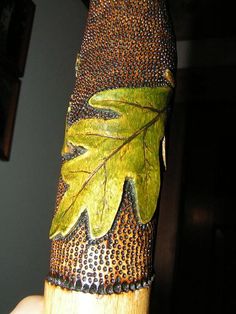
[28, 181]
[196, 253]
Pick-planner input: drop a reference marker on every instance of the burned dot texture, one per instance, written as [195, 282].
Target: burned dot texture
[118, 262]
[126, 44]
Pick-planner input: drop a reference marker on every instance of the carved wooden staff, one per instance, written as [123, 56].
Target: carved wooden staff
[103, 227]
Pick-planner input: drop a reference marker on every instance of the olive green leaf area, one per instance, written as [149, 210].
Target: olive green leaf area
[115, 150]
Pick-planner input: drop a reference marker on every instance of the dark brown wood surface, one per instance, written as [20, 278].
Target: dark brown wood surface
[195, 254]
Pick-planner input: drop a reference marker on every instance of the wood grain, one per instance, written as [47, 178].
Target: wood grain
[61, 301]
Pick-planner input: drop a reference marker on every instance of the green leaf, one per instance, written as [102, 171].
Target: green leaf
[123, 148]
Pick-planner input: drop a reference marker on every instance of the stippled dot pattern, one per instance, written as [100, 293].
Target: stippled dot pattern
[119, 261]
[127, 43]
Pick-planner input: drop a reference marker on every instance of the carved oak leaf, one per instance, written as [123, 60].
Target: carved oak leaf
[115, 150]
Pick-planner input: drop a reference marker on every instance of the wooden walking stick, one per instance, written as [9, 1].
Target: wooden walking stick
[104, 224]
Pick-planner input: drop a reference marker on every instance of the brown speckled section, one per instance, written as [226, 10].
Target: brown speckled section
[127, 43]
[120, 261]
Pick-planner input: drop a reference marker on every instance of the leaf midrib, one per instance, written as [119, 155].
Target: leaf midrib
[129, 139]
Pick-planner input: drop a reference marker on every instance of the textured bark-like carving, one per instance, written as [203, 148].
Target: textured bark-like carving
[103, 229]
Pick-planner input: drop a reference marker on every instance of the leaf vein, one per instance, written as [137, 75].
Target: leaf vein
[132, 104]
[101, 135]
[128, 140]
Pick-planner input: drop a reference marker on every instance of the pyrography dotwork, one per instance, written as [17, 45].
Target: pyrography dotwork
[103, 228]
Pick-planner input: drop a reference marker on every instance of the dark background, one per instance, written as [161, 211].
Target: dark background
[199, 274]
[195, 253]
[28, 182]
